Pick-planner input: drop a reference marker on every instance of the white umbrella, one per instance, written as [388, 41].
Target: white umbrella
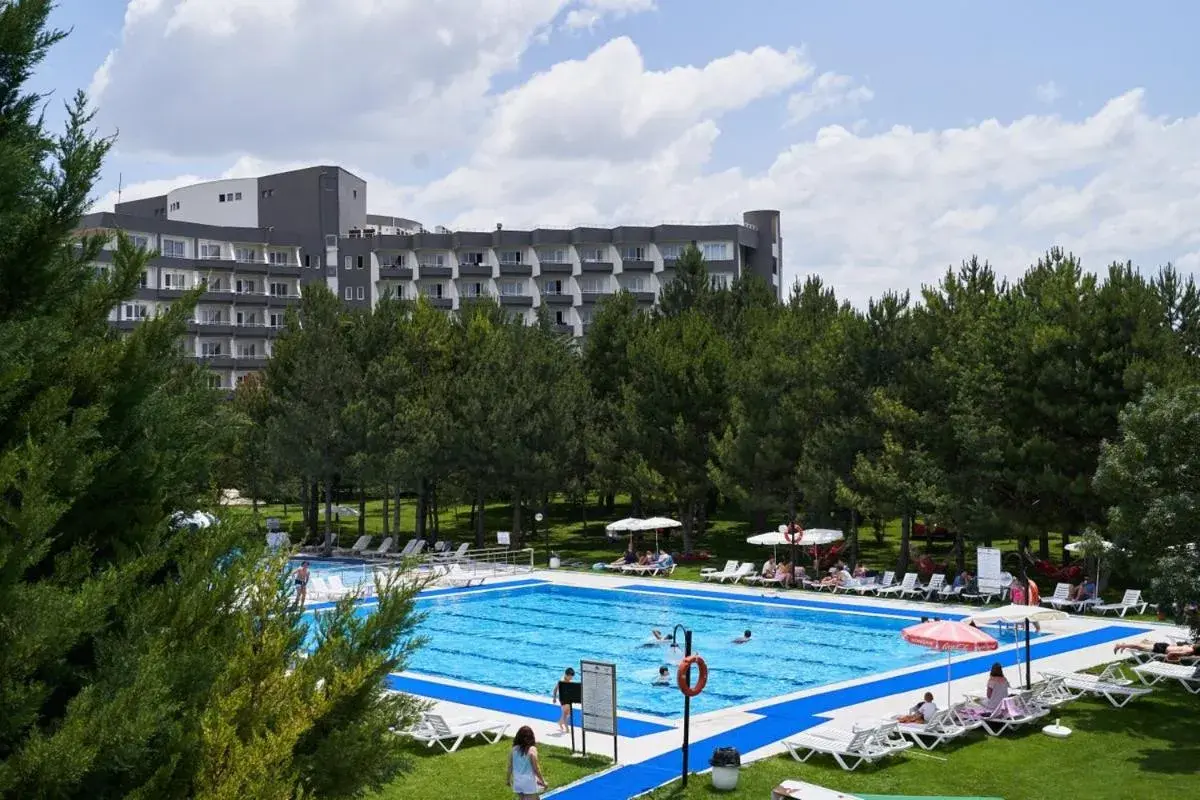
[819, 536]
[1081, 544]
[658, 523]
[1076, 546]
[770, 539]
[1015, 614]
[347, 511]
[623, 526]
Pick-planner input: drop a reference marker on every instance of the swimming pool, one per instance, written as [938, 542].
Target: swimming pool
[523, 638]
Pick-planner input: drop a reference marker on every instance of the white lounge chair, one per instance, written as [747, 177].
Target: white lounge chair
[874, 587]
[986, 589]
[907, 585]
[942, 728]
[455, 575]
[359, 546]
[935, 586]
[385, 547]
[1155, 671]
[1061, 597]
[710, 573]
[745, 570]
[1011, 712]
[448, 555]
[435, 729]
[1131, 601]
[848, 748]
[1115, 690]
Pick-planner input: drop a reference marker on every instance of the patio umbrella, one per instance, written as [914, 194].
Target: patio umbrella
[1082, 545]
[1016, 614]
[949, 635]
[627, 525]
[770, 539]
[656, 524]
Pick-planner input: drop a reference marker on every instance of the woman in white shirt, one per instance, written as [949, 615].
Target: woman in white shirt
[997, 687]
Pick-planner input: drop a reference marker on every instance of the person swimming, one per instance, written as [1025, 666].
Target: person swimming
[664, 676]
[658, 638]
[745, 637]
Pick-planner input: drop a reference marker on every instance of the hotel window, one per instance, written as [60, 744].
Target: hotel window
[432, 260]
[215, 285]
[278, 257]
[175, 206]
[174, 248]
[512, 289]
[591, 286]
[247, 350]
[433, 290]
[360, 293]
[268, 193]
[246, 287]
[594, 254]
[131, 311]
[473, 290]
[398, 260]
[554, 256]
[715, 251]
[307, 260]
[560, 318]
[174, 280]
[210, 348]
[247, 255]
[635, 284]
[99, 271]
[719, 280]
[140, 242]
[210, 251]
[163, 309]
[214, 381]
[241, 379]
[237, 195]
[221, 197]
[670, 252]
[275, 320]
[634, 254]
[473, 257]
[144, 281]
[552, 287]
[360, 262]
[510, 257]
[247, 319]
[349, 293]
[280, 290]
[349, 262]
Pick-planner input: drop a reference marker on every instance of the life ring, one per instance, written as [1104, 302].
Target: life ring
[685, 671]
[794, 537]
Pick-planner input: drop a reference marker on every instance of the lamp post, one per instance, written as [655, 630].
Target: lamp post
[687, 700]
[536, 519]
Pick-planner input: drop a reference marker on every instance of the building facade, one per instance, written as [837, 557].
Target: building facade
[255, 243]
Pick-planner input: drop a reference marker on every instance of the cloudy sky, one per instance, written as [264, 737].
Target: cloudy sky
[896, 138]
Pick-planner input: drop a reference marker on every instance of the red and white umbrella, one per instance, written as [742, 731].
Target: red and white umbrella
[949, 635]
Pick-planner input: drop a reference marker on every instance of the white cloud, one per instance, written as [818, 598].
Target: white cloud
[1048, 92]
[828, 92]
[592, 12]
[604, 140]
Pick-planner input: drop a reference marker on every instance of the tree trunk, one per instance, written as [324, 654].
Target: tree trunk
[792, 553]
[387, 520]
[852, 543]
[396, 510]
[314, 506]
[304, 509]
[1044, 545]
[518, 534]
[905, 541]
[1066, 540]
[636, 499]
[480, 533]
[328, 516]
[362, 512]
[422, 505]
[687, 518]
[960, 553]
[610, 502]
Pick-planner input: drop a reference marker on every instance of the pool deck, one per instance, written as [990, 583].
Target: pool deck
[649, 748]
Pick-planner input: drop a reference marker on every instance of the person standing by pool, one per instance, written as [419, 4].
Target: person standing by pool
[524, 771]
[302, 575]
[564, 719]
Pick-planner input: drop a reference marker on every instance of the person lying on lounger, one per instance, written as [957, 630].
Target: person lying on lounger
[1173, 652]
[922, 713]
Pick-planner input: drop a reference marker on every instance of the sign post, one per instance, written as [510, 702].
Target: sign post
[599, 706]
[988, 559]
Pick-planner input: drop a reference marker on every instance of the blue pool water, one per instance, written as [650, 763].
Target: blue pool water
[523, 638]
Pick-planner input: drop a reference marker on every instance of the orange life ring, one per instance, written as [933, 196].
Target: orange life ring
[685, 672]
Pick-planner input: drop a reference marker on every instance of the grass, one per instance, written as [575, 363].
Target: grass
[478, 771]
[1150, 748]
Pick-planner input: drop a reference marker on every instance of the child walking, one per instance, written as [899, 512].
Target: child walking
[564, 719]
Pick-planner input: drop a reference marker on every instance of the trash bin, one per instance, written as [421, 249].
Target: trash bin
[726, 763]
[555, 561]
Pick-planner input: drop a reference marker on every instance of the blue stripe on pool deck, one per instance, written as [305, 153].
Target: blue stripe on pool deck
[507, 704]
[483, 587]
[793, 601]
[781, 720]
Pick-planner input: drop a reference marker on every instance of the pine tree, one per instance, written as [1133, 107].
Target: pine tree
[137, 660]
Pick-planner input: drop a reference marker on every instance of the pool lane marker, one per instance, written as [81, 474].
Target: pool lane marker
[780, 720]
[427, 594]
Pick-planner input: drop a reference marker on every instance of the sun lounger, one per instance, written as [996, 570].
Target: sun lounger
[787, 790]
[985, 590]
[1130, 602]
[848, 748]
[456, 576]
[1061, 597]
[907, 585]
[873, 587]
[1155, 671]
[384, 549]
[935, 586]
[1117, 691]
[359, 546]
[1012, 712]
[435, 729]
[709, 573]
[942, 728]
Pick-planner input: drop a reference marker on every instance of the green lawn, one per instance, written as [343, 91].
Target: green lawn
[478, 771]
[1150, 748]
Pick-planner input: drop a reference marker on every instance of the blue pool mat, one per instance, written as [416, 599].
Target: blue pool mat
[507, 704]
[781, 720]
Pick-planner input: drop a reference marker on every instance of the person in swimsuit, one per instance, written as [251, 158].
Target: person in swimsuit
[564, 719]
[745, 637]
[1173, 652]
[302, 583]
[524, 771]
[664, 677]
